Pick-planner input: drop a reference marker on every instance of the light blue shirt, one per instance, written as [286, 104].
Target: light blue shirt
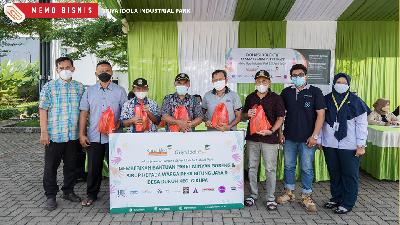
[95, 100]
[357, 132]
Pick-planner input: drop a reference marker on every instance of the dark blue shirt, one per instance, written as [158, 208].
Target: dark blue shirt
[301, 112]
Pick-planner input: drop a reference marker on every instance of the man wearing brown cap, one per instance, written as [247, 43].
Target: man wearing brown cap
[265, 141]
[181, 98]
[128, 117]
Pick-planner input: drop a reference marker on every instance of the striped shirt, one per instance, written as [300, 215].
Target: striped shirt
[61, 100]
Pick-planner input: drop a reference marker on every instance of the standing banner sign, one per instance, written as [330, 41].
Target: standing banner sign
[153, 172]
[243, 63]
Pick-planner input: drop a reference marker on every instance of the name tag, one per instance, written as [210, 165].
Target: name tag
[335, 126]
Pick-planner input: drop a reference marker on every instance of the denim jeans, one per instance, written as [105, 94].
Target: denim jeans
[291, 151]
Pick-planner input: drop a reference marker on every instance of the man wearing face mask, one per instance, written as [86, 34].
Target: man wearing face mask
[96, 99]
[59, 114]
[266, 141]
[128, 117]
[305, 114]
[221, 94]
[181, 98]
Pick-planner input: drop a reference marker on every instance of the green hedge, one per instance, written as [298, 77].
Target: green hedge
[28, 108]
[8, 113]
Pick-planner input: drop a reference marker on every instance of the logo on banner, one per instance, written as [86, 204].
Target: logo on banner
[233, 188]
[208, 189]
[134, 192]
[221, 189]
[14, 13]
[185, 190]
[17, 12]
[121, 193]
[195, 191]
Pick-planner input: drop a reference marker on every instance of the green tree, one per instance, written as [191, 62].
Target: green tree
[102, 37]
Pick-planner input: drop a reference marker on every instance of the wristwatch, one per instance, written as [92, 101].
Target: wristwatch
[315, 137]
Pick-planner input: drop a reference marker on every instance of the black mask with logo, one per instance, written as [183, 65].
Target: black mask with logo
[104, 77]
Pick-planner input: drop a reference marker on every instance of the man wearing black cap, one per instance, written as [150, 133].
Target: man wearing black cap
[181, 98]
[266, 141]
[128, 117]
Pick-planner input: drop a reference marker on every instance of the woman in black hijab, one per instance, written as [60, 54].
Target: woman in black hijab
[343, 137]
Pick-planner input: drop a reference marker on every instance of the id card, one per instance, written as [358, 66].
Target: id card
[335, 126]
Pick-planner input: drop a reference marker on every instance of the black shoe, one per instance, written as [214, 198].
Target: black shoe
[341, 210]
[71, 197]
[80, 179]
[331, 205]
[51, 204]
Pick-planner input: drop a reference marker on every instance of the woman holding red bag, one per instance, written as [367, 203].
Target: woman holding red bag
[140, 114]
[268, 111]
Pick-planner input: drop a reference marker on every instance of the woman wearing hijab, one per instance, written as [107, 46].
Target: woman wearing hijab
[343, 137]
[381, 115]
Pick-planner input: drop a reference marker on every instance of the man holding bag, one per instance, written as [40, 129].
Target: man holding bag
[103, 102]
[181, 111]
[221, 106]
[263, 138]
[140, 113]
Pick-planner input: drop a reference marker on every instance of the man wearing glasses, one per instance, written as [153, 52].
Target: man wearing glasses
[305, 114]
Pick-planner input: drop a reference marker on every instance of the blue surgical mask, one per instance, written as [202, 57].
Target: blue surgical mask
[298, 81]
[341, 88]
[182, 89]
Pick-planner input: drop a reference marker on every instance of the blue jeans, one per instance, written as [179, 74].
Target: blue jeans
[291, 150]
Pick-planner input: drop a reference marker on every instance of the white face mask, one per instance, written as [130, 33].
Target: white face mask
[262, 88]
[219, 85]
[65, 74]
[182, 89]
[341, 88]
[141, 95]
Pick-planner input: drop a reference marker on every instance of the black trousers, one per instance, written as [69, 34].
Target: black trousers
[343, 168]
[96, 153]
[80, 163]
[54, 153]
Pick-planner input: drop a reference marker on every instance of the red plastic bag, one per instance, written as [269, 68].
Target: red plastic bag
[106, 122]
[180, 113]
[259, 122]
[139, 112]
[220, 115]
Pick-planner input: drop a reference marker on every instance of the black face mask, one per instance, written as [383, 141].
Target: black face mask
[104, 77]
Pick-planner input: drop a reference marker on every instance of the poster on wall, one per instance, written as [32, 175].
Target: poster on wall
[243, 63]
[153, 172]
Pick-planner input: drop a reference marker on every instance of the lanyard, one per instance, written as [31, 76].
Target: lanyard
[341, 104]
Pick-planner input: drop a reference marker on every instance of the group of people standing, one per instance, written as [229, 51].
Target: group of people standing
[301, 119]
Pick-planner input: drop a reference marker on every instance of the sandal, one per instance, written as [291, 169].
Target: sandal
[87, 202]
[272, 205]
[249, 201]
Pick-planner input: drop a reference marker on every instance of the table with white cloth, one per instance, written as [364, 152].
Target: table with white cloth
[381, 158]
